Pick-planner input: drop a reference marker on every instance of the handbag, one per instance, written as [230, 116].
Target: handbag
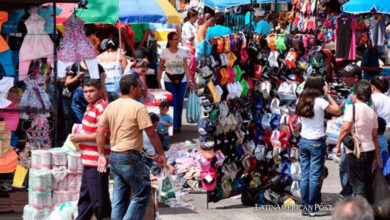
[66, 93]
[175, 78]
[351, 141]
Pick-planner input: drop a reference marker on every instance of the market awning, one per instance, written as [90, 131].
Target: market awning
[366, 6]
[229, 3]
[130, 12]
[10, 5]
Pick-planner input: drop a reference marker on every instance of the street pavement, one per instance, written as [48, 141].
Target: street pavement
[232, 208]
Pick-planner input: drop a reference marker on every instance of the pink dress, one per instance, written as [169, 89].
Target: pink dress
[75, 46]
[36, 44]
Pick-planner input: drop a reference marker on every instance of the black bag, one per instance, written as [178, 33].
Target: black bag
[380, 194]
[250, 196]
[175, 78]
[348, 139]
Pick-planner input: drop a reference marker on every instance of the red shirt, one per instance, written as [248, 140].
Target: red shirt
[89, 150]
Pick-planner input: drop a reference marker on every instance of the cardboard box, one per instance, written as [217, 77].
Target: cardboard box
[5, 208]
[18, 208]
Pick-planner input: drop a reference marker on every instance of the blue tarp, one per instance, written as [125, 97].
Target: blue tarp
[229, 3]
[367, 6]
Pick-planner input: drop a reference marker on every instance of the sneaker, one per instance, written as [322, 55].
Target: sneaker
[320, 212]
[305, 212]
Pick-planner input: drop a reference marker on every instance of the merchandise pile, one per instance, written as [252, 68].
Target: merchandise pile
[54, 179]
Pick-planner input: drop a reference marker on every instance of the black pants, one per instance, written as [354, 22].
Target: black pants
[94, 195]
[359, 172]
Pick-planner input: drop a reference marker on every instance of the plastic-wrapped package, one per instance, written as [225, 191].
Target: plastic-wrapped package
[45, 159]
[73, 161]
[36, 159]
[58, 157]
[31, 213]
[40, 180]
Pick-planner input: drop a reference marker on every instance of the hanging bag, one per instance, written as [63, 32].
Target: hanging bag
[192, 108]
[351, 141]
[166, 186]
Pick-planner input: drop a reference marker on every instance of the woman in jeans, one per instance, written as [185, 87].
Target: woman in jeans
[311, 108]
[365, 128]
[177, 76]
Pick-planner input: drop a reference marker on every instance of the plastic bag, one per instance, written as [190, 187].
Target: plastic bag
[192, 108]
[166, 186]
[381, 191]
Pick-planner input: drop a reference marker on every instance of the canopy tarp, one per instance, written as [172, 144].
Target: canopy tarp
[129, 12]
[367, 6]
[229, 3]
[11, 5]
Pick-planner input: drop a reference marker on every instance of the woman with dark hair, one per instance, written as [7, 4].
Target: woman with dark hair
[177, 75]
[311, 108]
[381, 102]
[188, 36]
[202, 29]
[219, 29]
[139, 68]
[362, 121]
[113, 62]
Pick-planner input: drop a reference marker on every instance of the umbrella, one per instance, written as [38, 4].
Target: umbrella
[229, 3]
[129, 12]
[366, 6]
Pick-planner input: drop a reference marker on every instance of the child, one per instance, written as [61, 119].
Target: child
[382, 141]
[148, 147]
[166, 121]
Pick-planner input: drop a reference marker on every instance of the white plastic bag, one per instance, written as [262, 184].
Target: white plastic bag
[166, 186]
[192, 108]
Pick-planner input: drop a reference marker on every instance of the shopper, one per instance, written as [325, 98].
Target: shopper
[113, 62]
[149, 150]
[166, 121]
[370, 62]
[188, 36]
[351, 73]
[365, 128]
[353, 208]
[310, 108]
[78, 74]
[218, 29]
[139, 68]
[202, 29]
[381, 102]
[261, 25]
[94, 196]
[177, 76]
[126, 118]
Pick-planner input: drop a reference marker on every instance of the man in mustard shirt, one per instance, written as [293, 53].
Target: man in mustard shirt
[126, 118]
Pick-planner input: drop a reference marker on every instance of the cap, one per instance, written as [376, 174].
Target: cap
[259, 13]
[351, 70]
[209, 179]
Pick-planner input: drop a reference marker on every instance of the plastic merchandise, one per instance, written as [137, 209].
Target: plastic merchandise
[65, 211]
[31, 213]
[46, 160]
[58, 157]
[73, 161]
[40, 200]
[40, 180]
[36, 159]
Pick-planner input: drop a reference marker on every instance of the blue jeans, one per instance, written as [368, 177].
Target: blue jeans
[79, 105]
[178, 93]
[346, 188]
[112, 96]
[68, 115]
[164, 138]
[312, 157]
[130, 173]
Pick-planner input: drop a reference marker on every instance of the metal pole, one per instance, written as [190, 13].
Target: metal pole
[55, 98]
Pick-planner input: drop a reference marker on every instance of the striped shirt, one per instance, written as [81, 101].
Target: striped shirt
[89, 151]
